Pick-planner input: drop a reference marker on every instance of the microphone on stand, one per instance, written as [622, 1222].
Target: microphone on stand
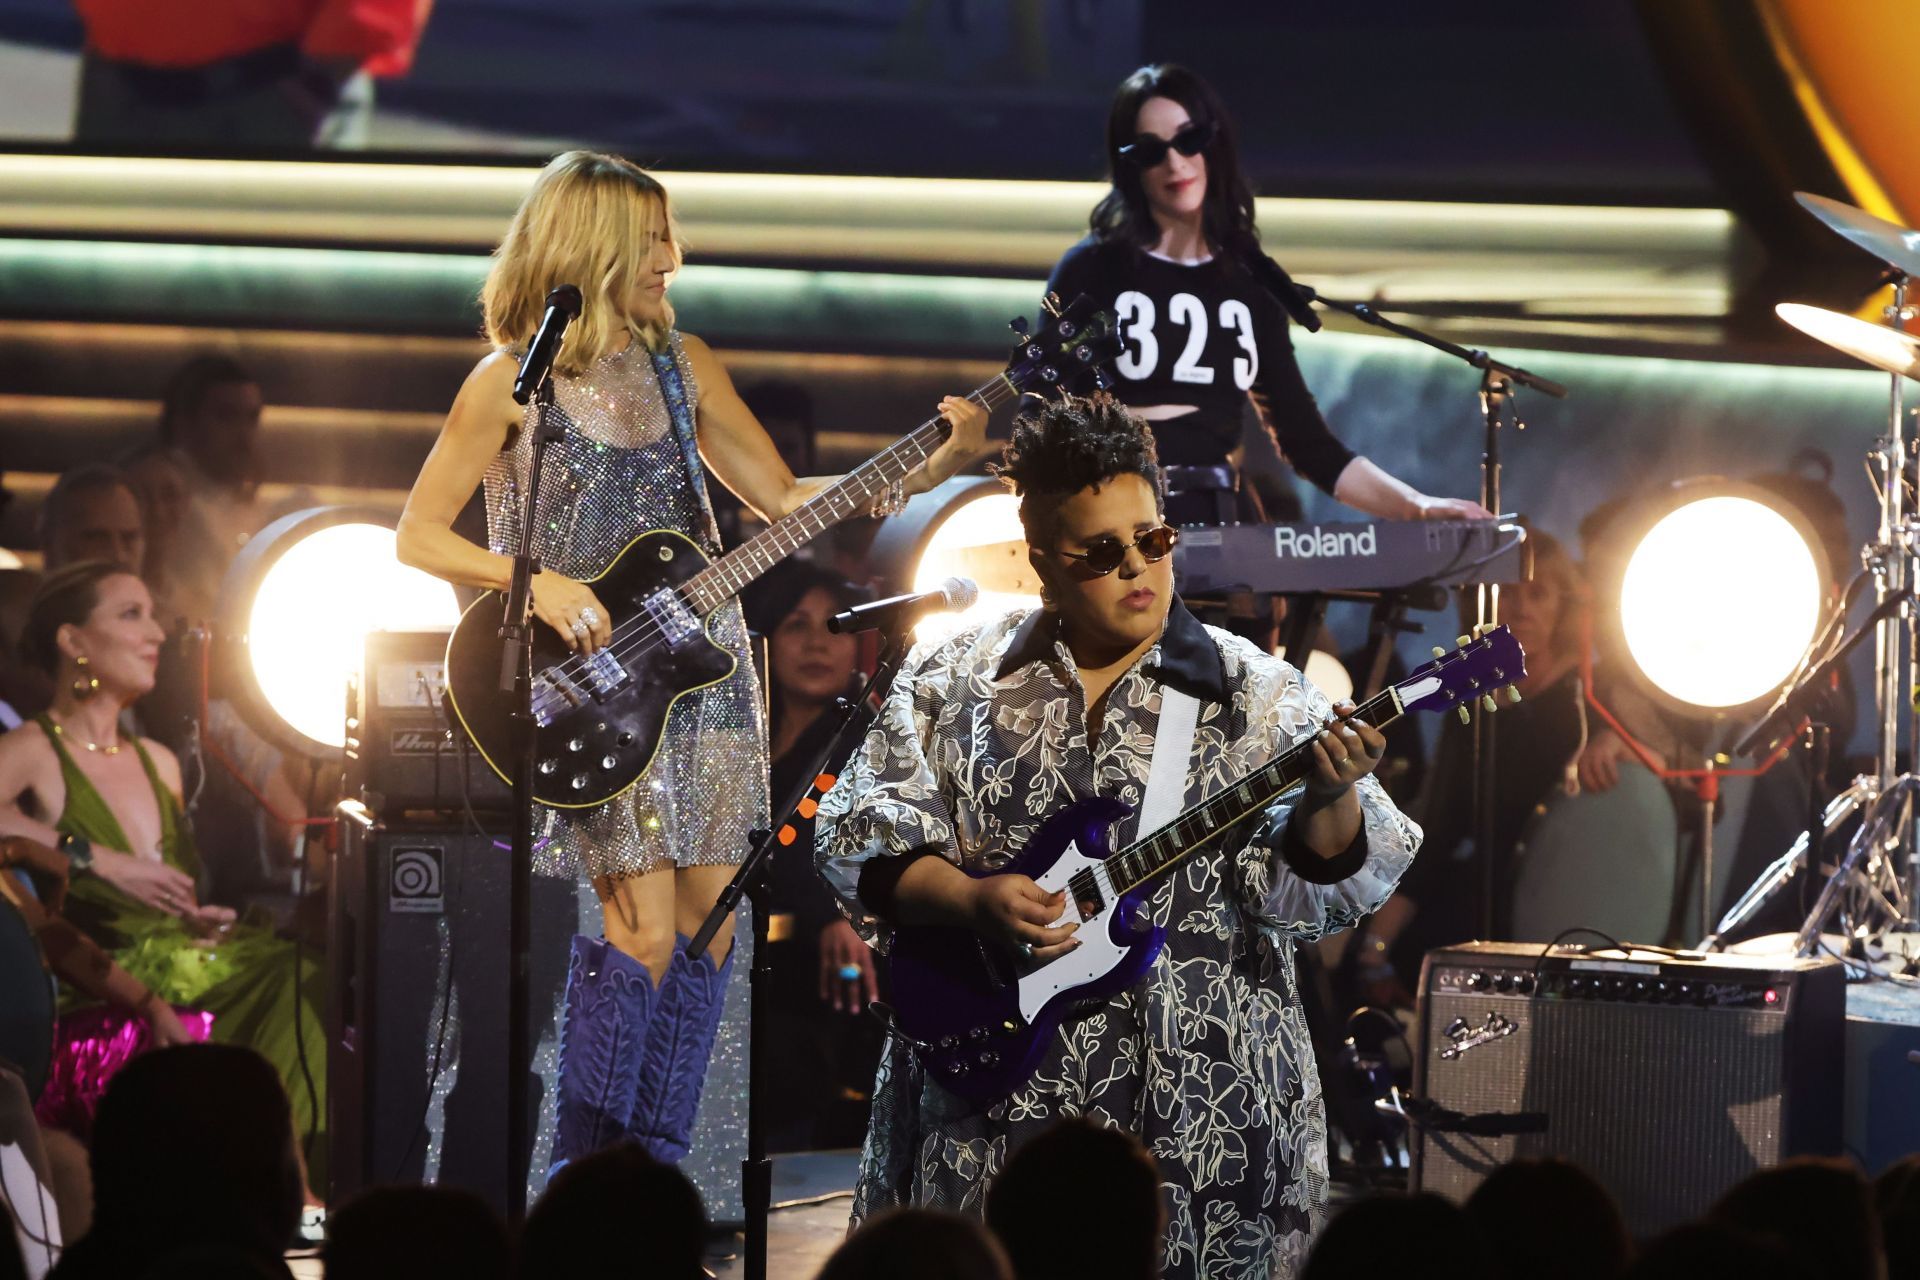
[954, 593]
[563, 304]
[1295, 298]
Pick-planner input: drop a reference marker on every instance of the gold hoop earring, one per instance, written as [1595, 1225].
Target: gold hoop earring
[1047, 602]
[86, 684]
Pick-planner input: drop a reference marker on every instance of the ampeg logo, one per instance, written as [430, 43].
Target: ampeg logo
[1307, 544]
[416, 742]
[415, 883]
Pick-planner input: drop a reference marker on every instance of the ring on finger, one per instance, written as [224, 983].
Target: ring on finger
[590, 616]
[1026, 949]
[578, 626]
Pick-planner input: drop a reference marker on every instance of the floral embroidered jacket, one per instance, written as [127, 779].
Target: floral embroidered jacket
[1207, 1059]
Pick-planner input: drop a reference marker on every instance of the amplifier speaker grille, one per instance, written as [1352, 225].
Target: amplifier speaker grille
[1667, 1103]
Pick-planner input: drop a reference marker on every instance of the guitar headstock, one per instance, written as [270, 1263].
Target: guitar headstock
[1066, 350]
[1479, 668]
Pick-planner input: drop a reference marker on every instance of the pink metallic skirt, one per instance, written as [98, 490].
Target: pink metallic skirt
[89, 1046]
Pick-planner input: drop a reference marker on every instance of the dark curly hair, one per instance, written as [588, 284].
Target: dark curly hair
[1068, 445]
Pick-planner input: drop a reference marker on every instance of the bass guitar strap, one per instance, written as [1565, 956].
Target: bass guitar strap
[680, 410]
[1172, 749]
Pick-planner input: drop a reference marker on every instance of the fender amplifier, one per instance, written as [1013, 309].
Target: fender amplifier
[402, 753]
[1668, 1080]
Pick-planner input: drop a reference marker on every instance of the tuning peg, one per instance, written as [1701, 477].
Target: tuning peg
[1463, 641]
[1466, 716]
[1439, 651]
[1052, 303]
[1513, 693]
[1487, 702]
[1019, 325]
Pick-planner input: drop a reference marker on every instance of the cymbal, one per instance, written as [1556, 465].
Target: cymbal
[1893, 244]
[1875, 344]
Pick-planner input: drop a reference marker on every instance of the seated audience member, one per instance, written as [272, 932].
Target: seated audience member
[930, 1245]
[193, 1149]
[210, 425]
[1896, 1196]
[1550, 1218]
[93, 513]
[1079, 1171]
[602, 1213]
[417, 1233]
[1819, 1208]
[824, 975]
[1714, 1251]
[69, 779]
[1399, 1235]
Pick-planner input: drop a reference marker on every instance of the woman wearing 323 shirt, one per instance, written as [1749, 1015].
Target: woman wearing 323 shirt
[1168, 253]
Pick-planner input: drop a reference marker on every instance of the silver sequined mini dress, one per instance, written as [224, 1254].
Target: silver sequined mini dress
[619, 472]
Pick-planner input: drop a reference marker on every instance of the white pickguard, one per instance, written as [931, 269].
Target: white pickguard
[1098, 954]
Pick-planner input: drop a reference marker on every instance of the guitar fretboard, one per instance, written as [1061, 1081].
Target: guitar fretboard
[853, 494]
[1166, 848]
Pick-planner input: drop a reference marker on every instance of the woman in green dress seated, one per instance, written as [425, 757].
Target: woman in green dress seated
[112, 804]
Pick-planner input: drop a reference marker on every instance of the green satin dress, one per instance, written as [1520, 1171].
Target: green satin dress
[247, 981]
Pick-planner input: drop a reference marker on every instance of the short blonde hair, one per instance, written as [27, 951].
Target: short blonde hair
[588, 221]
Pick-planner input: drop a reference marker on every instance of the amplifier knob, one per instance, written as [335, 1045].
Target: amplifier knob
[1639, 990]
[1576, 986]
[1617, 988]
[1478, 982]
[1523, 983]
[1503, 983]
[1662, 992]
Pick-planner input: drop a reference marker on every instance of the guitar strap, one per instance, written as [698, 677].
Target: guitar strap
[680, 411]
[1172, 748]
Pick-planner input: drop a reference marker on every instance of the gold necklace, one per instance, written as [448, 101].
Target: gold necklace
[111, 749]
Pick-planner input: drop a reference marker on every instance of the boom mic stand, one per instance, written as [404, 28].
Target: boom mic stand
[756, 1171]
[1498, 384]
[516, 677]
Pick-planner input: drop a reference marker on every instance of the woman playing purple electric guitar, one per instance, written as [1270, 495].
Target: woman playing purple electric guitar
[1204, 1052]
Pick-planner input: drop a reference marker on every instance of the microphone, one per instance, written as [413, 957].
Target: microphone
[563, 304]
[895, 611]
[1290, 295]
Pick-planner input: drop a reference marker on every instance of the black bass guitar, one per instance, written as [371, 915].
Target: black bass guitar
[598, 720]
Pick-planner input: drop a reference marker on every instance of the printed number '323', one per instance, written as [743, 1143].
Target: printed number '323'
[1142, 354]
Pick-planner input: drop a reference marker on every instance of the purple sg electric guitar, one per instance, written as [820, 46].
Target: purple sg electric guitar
[980, 1015]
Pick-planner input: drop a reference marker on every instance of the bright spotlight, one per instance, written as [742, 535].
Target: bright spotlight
[295, 610]
[968, 527]
[1721, 595]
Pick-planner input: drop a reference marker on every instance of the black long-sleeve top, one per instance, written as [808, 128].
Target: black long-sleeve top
[1209, 335]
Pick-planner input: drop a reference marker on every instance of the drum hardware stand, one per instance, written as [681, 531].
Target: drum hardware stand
[1498, 384]
[750, 881]
[1876, 887]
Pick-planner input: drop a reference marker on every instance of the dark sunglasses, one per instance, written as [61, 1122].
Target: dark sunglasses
[1148, 150]
[1108, 554]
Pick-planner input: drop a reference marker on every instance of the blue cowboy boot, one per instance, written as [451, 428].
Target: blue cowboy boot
[610, 1005]
[674, 1066]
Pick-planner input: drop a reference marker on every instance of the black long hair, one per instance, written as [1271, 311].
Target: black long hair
[1122, 216]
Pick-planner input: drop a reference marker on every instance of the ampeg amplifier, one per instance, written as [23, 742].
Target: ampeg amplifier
[417, 1004]
[1668, 1080]
[401, 753]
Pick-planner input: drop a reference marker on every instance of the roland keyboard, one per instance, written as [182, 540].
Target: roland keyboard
[1365, 555]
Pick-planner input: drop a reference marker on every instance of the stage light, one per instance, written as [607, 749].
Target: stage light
[294, 613]
[968, 527]
[1721, 594]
